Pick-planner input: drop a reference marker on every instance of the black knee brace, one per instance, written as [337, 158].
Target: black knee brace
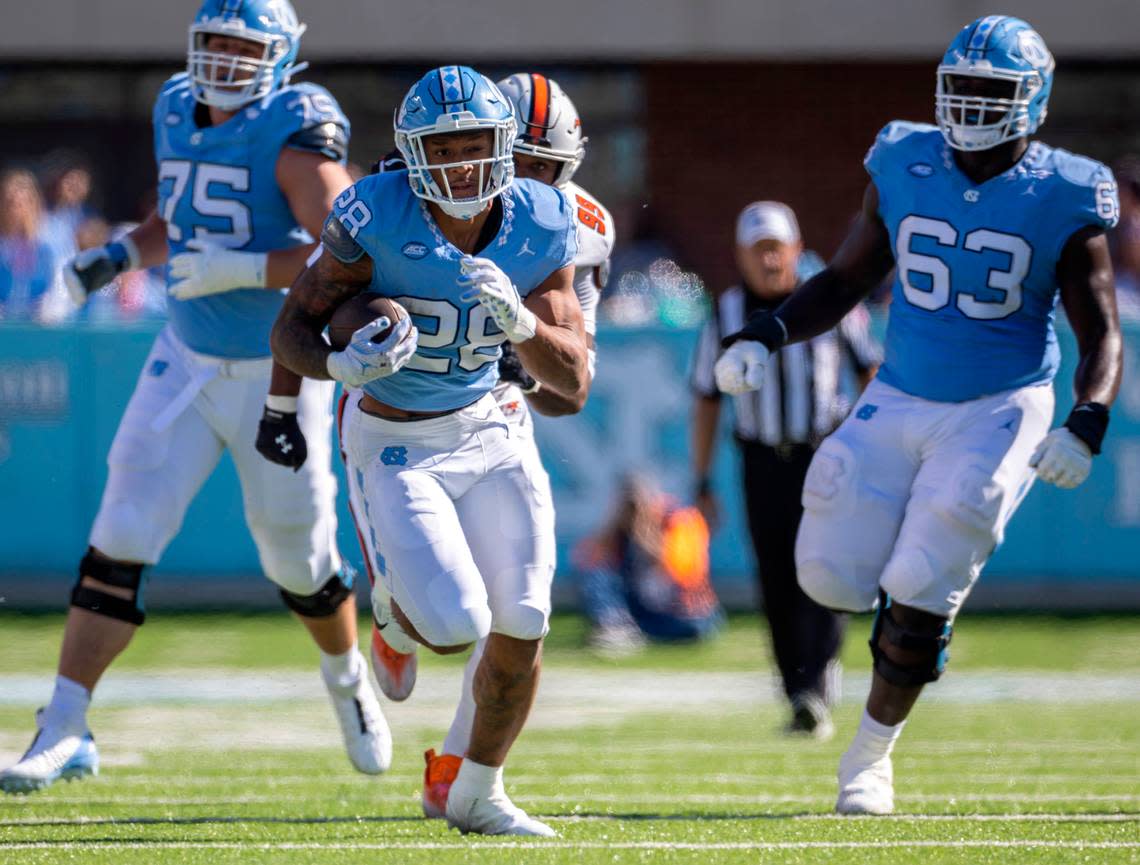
[121, 575]
[934, 649]
[323, 603]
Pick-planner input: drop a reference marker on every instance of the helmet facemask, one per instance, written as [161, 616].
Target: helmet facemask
[567, 162]
[491, 175]
[229, 81]
[973, 117]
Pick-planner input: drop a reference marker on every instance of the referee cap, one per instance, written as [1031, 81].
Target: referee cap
[766, 220]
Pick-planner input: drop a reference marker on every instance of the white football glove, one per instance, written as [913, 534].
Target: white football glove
[1062, 459]
[486, 283]
[363, 360]
[92, 269]
[207, 268]
[741, 367]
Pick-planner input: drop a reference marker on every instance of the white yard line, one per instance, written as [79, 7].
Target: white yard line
[482, 844]
[594, 692]
[593, 818]
[626, 800]
[235, 779]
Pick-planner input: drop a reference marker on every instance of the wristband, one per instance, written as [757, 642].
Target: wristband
[765, 328]
[1088, 421]
[131, 250]
[284, 404]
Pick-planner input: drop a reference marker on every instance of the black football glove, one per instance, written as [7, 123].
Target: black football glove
[92, 269]
[512, 371]
[280, 440]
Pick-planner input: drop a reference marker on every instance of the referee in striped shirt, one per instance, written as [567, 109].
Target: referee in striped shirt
[778, 428]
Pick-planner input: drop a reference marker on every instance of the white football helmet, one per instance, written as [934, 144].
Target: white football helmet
[549, 126]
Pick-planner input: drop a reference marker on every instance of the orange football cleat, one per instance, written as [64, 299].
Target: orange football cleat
[395, 671]
[439, 775]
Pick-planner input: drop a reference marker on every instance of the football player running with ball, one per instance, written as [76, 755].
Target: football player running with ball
[459, 516]
[247, 164]
[906, 501]
[549, 148]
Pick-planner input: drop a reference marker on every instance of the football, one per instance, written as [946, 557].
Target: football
[358, 311]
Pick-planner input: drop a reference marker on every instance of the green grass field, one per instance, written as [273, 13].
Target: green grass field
[218, 747]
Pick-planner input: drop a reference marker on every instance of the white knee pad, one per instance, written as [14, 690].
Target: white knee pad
[295, 556]
[133, 528]
[442, 614]
[459, 628]
[937, 561]
[521, 621]
[911, 579]
[831, 584]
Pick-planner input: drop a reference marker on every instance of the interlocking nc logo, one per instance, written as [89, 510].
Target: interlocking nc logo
[397, 455]
[866, 411]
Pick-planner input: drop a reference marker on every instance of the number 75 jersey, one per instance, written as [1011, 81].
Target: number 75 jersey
[975, 293]
[219, 184]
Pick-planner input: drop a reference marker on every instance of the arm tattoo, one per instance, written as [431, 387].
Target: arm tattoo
[297, 339]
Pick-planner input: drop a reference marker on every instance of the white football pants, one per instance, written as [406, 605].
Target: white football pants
[913, 496]
[186, 409]
[457, 521]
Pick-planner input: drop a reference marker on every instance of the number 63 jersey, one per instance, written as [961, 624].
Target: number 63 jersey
[219, 184]
[975, 293]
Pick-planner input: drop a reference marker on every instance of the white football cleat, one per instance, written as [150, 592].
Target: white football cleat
[55, 754]
[491, 814]
[865, 788]
[367, 737]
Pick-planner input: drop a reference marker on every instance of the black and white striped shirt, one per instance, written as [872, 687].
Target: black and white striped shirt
[804, 396]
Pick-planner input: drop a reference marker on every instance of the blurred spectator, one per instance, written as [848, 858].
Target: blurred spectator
[646, 573]
[67, 186]
[1126, 238]
[30, 287]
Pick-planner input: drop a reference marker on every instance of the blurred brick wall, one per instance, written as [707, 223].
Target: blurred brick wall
[721, 135]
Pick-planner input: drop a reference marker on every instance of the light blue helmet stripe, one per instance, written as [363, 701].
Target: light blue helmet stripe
[983, 30]
[451, 86]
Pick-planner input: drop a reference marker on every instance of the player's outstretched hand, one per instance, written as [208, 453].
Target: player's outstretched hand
[280, 440]
[512, 371]
[485, 282]
[1062, 459]
[363, 360]
[741, 367]
[207, 268]
[92, 269]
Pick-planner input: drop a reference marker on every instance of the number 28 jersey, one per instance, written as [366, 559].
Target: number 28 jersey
[415, 265]
[975, 293]
[219, 183]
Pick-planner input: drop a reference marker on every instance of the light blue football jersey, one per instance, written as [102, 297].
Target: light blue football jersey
[415, 265]
[219, 183]
[975, 292]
